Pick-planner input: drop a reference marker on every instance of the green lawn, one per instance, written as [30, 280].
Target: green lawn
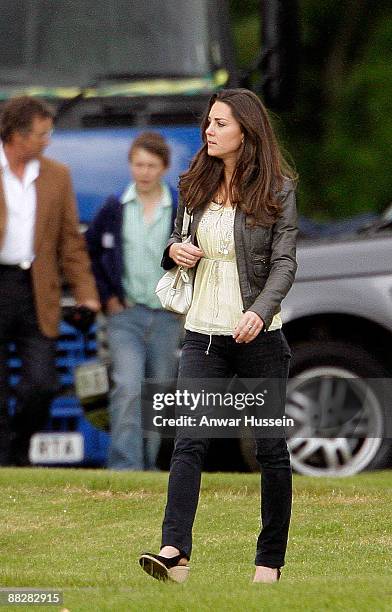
[82, 532]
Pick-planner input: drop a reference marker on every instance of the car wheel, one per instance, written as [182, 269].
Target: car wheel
[336, 396]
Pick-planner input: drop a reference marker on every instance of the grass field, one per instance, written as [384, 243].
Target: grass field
[82, 532]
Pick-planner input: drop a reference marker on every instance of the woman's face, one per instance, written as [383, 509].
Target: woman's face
[147, 170]
[224, 135]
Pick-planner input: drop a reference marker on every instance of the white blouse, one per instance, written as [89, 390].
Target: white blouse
[217, 303]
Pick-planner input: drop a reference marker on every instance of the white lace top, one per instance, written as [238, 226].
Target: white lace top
[217, 304]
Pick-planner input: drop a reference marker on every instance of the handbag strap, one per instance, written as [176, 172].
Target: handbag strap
[185, 225]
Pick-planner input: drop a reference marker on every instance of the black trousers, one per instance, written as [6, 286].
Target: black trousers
[38, 379]
[267, 356]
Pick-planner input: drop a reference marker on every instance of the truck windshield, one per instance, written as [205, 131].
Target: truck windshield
[72, 42]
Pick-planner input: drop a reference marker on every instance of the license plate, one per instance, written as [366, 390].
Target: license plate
[91, 380]
[56, 448]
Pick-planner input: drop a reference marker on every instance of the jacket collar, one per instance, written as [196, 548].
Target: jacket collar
[44, 188]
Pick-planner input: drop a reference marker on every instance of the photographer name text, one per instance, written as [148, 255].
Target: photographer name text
[207, 421]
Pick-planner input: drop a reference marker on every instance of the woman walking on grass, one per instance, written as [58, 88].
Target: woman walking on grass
[240, 193]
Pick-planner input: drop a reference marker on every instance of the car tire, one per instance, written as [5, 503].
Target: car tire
[329, 364]
[312, 363]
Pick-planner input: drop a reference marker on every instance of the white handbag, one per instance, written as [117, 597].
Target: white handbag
[175, 288]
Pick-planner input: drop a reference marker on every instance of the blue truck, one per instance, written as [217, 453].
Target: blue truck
[112, 68]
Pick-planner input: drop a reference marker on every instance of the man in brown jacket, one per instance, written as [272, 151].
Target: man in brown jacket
[39, 243]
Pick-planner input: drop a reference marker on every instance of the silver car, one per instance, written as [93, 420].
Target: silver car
[338, 321]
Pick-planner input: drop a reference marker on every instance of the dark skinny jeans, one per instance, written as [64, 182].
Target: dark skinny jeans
[267, 356]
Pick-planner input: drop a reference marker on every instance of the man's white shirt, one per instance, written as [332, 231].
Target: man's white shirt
[21, 202]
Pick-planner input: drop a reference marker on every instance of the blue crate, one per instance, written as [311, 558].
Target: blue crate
[66, 412]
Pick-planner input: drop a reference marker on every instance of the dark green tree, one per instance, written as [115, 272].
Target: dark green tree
[340, 129]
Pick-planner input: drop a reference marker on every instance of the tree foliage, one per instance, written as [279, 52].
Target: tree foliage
[340, 129]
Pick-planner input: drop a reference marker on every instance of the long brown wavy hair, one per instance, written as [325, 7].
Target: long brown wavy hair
[260, 169]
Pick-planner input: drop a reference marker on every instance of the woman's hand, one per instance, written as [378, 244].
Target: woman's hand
[185, 254]
[248, 327]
